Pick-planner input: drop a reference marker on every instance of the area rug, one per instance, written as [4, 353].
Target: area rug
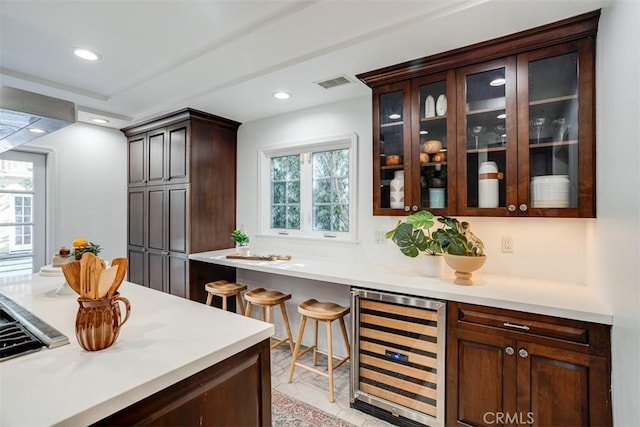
[289, 412]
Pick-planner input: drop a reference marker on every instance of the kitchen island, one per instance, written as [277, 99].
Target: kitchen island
[173, 357]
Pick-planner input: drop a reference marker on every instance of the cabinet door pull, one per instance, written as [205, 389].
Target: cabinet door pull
[415, 208]
[523, 353]
[509, 350]
[513, 325]
[523, 207]
[511, 208]
[407, 208]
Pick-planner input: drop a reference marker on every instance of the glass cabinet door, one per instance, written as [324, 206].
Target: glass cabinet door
[391, 157]
[434, 142]
[486, 133]
[549, 134]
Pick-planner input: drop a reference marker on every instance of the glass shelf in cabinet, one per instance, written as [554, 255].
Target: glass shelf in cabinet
[386, 125]
[432, 119]
[486, 150]
[551, 143]
[433, 164]
[552, 100]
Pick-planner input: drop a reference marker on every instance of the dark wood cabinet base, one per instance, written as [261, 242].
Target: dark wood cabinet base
[234, 392]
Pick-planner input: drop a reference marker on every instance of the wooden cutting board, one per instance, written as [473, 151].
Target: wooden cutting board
[260, 257]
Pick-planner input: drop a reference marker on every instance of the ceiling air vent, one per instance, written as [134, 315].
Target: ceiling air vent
[336, 81]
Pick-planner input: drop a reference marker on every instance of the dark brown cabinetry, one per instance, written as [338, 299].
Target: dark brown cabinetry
[181, 196]
[513, 121]
[210, 397]
[508, 368]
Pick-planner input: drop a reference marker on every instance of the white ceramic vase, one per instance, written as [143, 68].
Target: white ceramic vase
[396, 190]
[433, 265]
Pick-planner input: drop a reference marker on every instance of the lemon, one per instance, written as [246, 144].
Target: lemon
[77, 243]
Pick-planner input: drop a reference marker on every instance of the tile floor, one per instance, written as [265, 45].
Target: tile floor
[313, 389]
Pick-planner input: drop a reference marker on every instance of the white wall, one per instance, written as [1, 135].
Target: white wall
[616, 250]
[553, 249]
[88, 188]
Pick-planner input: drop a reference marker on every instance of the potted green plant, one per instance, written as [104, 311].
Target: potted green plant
[463, 251]
[242, 241]
[414, 236]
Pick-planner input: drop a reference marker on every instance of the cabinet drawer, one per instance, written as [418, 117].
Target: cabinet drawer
[590, 337]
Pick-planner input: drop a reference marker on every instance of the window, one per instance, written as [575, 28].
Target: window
[22, 208]
[22, 212]
[308, 188]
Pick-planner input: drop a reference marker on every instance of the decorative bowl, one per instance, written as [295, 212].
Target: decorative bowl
[393, 160]
[464, 266]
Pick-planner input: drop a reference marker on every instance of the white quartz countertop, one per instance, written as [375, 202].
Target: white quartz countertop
[559, 299]
[165, 340]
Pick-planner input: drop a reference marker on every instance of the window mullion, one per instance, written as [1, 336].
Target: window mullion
[306, 183]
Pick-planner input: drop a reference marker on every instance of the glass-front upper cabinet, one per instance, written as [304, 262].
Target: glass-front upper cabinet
[391, 149]
[556, 131]
[526, 128]
[487, 138]
[433, 142]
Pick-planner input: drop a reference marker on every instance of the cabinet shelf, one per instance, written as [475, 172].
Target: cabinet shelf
[433, 164]
[486, 150]
[392, 167]
[388, 125]
[534, 145]
[432, 119]
[552, 100]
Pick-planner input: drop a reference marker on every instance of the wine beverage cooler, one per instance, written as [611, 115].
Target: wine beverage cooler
[398, 357]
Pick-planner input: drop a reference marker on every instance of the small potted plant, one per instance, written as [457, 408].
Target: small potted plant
[80, 246]
[242, 241]
[463, 251]
[414, 236]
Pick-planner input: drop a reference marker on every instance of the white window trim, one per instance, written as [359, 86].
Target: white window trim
[330, 142]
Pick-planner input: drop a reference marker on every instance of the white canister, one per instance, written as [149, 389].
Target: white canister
[396, 190]
[488, 189]
[436, 198]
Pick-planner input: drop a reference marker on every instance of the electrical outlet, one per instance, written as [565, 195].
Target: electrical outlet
[507, 244]
[380, 237]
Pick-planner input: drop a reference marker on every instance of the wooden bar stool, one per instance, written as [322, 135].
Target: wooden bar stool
[224, 289]
[326, 312]
[267, 299]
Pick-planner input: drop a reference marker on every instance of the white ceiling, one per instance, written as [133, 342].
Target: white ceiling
[228, 57]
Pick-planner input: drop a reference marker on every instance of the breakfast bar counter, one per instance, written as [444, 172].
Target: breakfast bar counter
[567, 300]
[167, 341]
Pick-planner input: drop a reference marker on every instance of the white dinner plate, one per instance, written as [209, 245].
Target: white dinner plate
[429, 107]
[441, 105]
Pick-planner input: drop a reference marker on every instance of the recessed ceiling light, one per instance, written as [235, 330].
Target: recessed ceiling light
[100, 121]
[85, 54]
[500, 81]
[37, 130]
[281, 95]
[394, 116]
[424, 132]
[501, 116]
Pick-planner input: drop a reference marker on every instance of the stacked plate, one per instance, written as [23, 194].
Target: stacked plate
[550, 191]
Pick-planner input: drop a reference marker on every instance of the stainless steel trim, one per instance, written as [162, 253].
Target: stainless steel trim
[356, 394]
[21, 110]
